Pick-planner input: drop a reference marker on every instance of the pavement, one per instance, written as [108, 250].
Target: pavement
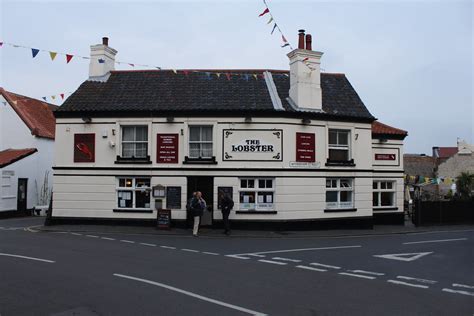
[74, 272]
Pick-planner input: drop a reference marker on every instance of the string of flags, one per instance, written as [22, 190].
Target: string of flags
[56, 97]
[428, 180]
[266, 11]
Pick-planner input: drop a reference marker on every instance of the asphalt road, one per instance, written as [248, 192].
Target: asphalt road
[66, 273]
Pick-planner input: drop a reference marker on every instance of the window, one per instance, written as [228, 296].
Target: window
[339, 193]
[134, 141]
[200, 142]
[339, 149]
[133, 193]
[383, 194]
[256, 194]
[7, 188]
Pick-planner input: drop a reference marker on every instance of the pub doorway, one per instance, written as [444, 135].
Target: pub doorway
[22, 195]
[206, 186]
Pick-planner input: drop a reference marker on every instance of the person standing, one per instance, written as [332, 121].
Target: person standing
[189, 212]
[197, 207]
[226, 206]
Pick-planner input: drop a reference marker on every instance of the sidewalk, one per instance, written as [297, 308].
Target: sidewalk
[409, 228]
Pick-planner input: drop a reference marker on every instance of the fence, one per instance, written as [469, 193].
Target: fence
[443, 212]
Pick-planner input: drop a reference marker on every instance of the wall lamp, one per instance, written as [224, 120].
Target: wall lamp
[306, 121]
[86, 119]
[248, 119]
[170, 119]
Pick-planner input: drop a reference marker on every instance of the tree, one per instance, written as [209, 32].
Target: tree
[465, 184]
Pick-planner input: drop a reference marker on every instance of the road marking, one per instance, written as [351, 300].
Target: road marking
[189, 250]
[203, 298]
[76, 234]
[107, 238]
[357, 275]
[463, 285]
[416, 279]
[286, 259]
[147, 244]
[311, 268]
[295, 250]
[127, 241]
[237, 257]
[458, 292]
[255, 255]
[366, 272]
[429, 241]
[168, 247]
[404, 256]
[408, 284]
[324, 265]
[210, 253]
[25, 257]
[92, 236]
[273, 262]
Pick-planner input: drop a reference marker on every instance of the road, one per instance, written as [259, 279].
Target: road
[67, 273]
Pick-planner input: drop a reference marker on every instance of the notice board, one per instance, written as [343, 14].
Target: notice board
[173, 198]
[167, 148]
[226, 190]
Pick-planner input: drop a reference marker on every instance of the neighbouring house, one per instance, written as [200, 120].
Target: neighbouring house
[297, 145]
[27, 130]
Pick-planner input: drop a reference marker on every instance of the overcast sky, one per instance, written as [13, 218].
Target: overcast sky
[410, 61]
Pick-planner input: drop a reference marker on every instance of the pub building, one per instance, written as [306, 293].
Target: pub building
[288, 146]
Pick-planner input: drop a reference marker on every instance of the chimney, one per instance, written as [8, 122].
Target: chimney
[102, 61]
[305, 75]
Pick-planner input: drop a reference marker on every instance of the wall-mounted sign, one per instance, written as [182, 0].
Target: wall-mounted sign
[305, 147]
[385, 157]
[300, 164]
[173, 198]
[84, 147]
[159, 191]
[167, 148]
[252, 145]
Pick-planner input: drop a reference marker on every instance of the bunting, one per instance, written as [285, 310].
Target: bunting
[68, 58]
[34, 52]
[52, 55]
[429, 180]
[275, 25]
[264, 12]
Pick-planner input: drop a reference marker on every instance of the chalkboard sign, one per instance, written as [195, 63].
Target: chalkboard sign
[173, 198]
[164, 218]
[226, 191]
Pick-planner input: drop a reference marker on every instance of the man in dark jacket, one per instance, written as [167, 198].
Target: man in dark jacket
[197, 208]
[226, 206]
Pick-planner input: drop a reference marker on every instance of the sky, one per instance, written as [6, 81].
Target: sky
[411, 62]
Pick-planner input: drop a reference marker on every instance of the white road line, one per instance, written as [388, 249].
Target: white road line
[237, 257]
[255, 255]
[311, 268]
[416, 279]
[430, 241]
[107, 238]
[168, 247]
[463, 285]
[458, 292]
[146, 244]
[286, 259]
[203, 298]
[407, 284]
[210, 253]
[189, 250]
[24, 257]
[357, 275]
[295, 250]
[324, 265]
[76, 234]
[127, 241]
[273, 262]
[92, 236]
[366, 272]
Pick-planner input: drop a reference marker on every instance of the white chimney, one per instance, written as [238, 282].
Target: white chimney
[305, 75]
[102, 61]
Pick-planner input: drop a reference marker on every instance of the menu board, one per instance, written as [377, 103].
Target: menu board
[164, 219]
[226, 190]
[167, 148]
[305, 147]
[173, 198]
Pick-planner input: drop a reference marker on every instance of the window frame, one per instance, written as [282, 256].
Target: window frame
[10, 193]
[378, 190]
[338, 146]
[133, 189]
[257, 191]
[122, 142]
[338, 188]
[200, 141]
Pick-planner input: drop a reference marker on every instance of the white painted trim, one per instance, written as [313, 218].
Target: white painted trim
[272, 90]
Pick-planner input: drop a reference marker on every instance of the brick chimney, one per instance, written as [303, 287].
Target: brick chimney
[102, 61]
[305, 74]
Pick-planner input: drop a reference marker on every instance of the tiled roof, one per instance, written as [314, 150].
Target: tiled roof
[419, 165]
[9, 156]
[36, 114]
[447, 152]
[204, 92]
[387, 130]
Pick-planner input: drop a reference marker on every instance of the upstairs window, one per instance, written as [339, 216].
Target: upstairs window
[135, 141]
[200, 142]
[339, 145]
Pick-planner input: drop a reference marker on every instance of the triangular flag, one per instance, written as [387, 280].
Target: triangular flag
[284, 45]
[62, 96]
[270, 21]
[53, 97]
[174, 70]
[218, 74]
[283, 38]
[208, 75]
[186, 72]
[228, 76]
[159, 68]
[255, 76]
[34, 52]
[1, 44]
[4, 103]
[44, 98]
[52, 55]
[101, 61]
[133, 65]
[246, 76]
[274, 27]
[68, 58]
[264, 12]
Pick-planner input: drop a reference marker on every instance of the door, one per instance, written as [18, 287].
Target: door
[206, 186]
[22, 195]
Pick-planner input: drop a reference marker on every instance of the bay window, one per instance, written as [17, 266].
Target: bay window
[133, 193]
[384, 194]
[256, 194]
[339, 193]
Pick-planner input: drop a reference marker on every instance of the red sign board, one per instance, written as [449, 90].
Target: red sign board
[305, 147]
[385, 156]
[167, 148]
[84, 147]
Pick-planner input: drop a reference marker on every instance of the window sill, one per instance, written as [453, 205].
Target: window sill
[133, 160]
[389, 208]
[211, 161]
[9, 197]
[132, 210]
[255, 212]
[340, 163]
[337, 210]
